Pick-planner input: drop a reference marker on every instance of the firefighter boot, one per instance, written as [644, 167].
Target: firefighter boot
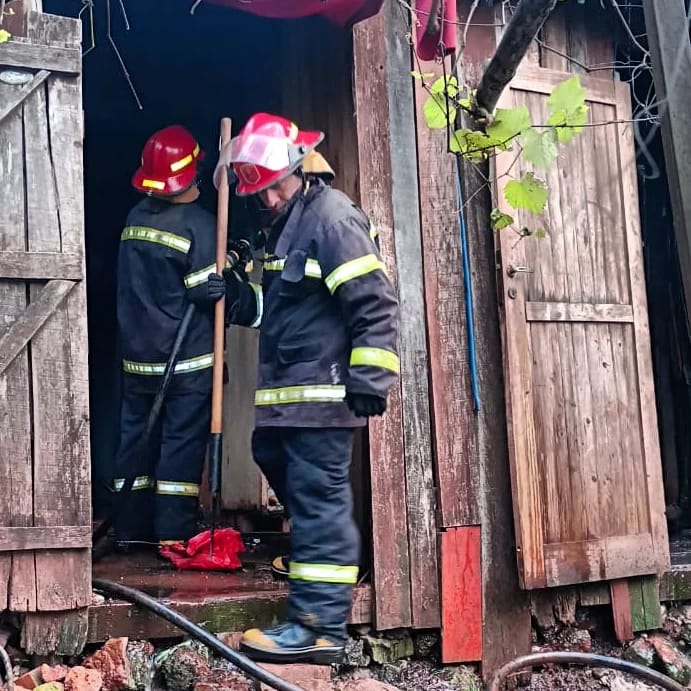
[288, 643]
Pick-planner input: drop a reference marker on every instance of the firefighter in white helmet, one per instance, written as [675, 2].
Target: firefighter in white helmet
[328, 318]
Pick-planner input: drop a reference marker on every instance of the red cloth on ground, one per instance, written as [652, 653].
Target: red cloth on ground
[194, 555]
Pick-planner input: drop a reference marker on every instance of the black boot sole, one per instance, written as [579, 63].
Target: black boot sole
[312, 655]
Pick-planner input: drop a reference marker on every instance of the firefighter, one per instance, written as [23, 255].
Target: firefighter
[328, 319]
[167, 252]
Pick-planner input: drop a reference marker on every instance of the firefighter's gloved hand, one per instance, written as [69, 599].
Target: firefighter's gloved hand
[366, 405]
[227, 285]
[216, 287]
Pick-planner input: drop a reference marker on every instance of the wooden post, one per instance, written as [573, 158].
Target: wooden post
[668, 40]
[515, 41]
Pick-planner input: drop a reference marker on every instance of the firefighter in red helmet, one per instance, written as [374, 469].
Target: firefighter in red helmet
[167, 252]
[328, 319]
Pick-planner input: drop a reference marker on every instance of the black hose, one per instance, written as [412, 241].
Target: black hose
[244, 663]
[587, 659]
[154, 414]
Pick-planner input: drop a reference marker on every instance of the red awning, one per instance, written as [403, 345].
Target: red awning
[341, 12]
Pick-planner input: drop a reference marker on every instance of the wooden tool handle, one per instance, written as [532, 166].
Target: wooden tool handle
[219, 313]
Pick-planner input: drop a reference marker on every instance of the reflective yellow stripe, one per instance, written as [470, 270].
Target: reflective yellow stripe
[312, 268]
[179, 489]
[141, 482]
[179, 165]
[352, 269]
[323, 573]
[373, 232]
[374, 357]
[259, 295]
[199, 277]
[154, 184]
[156, 368]
[160, 237]
[316, 393]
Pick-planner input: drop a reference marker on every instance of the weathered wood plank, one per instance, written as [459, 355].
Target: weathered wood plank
[644, 594]
[30, 322]
[19, 95]
[33, 56]
[506, 623]
[41, 266]
[232, 613]
[461, 595]
[599, 559]
[621, 610]
[643, 361]
[391, 567]
[62, 488]
[577, 312]
[453, 414]
[17, 573]
[55, 537]
[542, 80]
[420, 486]
[55, 633]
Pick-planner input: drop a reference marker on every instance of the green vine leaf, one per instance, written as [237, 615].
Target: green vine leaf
[539, 147]
[529, 193]
[540, 234]
[508, 124]
[500, 220]
[475, 146]
[438, 112]
[422, 75]
[568, 111]
[4, 36]
[445, 85]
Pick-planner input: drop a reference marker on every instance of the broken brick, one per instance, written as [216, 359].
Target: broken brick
[307, 677]
[675, 664]
[111, 661]
[30, 680]
[183, 666]
[231, 639]
[83, 679]
[57, 673]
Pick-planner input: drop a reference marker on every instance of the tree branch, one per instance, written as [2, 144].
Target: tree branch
[515, 41]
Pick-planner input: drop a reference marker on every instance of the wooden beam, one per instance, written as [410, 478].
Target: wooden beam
[30, 321]
[18, 97]
[38, 57]
[461, 595]
[54, 537]
[515, 41]
[41, 266]
[390, 552]
[668, 40]
[577, 312]
[621, 610]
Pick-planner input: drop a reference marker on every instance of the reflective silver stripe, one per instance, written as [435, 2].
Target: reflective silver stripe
[312, 268]
[316, 393]
[353, 269]
[157, 368]
[323, 573]
[374, 357]
[373, 232]
[180, 489]
[199, 277]
[141, 482]
[259, 295]
[160, 237]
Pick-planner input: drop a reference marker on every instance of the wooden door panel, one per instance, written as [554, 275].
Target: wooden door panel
[585, 460]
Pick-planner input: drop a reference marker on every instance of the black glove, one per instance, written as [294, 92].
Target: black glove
[228, 285]
[366, 405]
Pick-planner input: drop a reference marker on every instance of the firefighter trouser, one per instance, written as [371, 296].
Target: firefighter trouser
[163, 503]
[309, 471]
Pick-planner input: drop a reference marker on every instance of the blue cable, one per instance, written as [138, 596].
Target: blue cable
[468, 292]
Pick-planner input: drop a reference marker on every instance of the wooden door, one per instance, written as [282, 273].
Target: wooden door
[583, 438]
[45, 497]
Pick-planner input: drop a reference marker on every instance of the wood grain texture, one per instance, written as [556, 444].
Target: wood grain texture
[621, 610]
[41, 265]
[34, 56]
[421, 499]
[19, 95]
[581, 404]
[461, 595]
[55, 537]
[391, 555]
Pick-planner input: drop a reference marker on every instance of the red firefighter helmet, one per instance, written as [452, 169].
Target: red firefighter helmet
[268, 149]
[169, 162]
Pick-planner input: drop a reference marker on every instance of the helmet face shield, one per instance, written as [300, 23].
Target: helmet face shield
[260, 150]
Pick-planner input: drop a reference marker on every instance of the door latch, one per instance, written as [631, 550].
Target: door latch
[511, 270]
